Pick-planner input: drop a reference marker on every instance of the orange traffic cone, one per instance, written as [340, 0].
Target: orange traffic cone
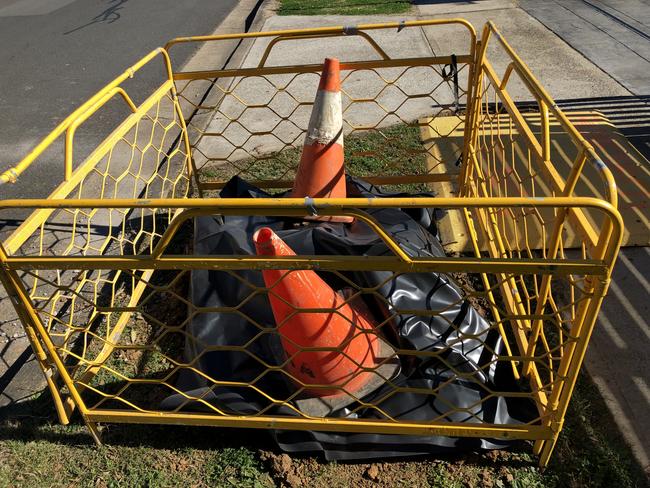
[355, 359]
[321, 173]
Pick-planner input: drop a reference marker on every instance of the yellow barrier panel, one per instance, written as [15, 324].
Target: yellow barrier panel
[99, 271]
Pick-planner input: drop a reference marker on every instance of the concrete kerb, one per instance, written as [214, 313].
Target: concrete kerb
[20, 375]
[218, 55]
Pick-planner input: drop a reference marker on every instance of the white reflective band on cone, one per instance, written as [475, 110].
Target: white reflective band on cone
[326, 122]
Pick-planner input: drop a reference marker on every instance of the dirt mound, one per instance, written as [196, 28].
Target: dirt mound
[299, 472]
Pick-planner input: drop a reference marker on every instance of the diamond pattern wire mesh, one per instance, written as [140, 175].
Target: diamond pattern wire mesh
[541, 315]
[125, 336]
[147, 160]
[258, 122]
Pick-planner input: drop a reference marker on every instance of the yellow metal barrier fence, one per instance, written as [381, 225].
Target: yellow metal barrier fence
[99, 272]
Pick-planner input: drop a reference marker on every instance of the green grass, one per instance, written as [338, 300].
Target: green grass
[55, 456]
[343, 7]
[37, 452]
[591, 450]
[390, 151]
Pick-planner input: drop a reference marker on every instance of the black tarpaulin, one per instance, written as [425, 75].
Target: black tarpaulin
[468, 347]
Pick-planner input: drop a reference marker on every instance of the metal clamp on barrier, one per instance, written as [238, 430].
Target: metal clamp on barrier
[452, 74]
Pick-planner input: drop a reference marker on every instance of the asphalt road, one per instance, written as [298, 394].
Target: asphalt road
[54, 54]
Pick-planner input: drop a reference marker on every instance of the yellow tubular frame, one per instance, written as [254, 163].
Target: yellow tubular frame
[474, 203]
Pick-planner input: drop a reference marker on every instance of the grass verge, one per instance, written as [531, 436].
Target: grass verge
[343, 7]
[36, 452]
[390, 151]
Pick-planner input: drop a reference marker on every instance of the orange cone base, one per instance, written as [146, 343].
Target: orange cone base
[322, 406]
[320, 173]
[347, 370]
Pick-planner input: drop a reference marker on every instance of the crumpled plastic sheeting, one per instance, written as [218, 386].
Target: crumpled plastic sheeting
[460, 400]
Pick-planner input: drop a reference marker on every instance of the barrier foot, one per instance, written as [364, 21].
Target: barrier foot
[546, 452]
[93, 428]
